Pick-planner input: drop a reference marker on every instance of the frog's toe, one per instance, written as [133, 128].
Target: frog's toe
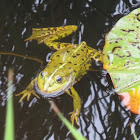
[27, 94]
[21, 93]
[74, 118]
[24, 94]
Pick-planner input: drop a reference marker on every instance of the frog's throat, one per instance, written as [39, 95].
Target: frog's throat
[53, 94]
[49, 95]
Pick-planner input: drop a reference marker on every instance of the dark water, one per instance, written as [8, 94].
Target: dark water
[103, 116]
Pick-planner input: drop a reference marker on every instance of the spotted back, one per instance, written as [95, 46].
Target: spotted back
[74, 59]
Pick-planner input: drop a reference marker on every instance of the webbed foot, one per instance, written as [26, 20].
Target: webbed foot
[74, 117]
[27, 93]
[76, 104]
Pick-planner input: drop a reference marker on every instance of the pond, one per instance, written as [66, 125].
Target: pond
[103, 115]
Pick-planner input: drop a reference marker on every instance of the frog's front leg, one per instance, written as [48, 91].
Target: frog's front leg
[28, 91]
[76, 105]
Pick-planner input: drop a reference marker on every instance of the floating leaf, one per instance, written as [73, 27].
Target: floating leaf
[121, 58]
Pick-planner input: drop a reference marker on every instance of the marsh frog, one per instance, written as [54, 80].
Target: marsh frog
[67, 65]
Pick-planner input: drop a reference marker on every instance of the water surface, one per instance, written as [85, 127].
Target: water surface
[103, 116]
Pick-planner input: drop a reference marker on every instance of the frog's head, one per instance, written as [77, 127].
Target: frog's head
[54, 84]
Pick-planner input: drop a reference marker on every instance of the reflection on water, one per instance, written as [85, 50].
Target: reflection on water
[103, 115]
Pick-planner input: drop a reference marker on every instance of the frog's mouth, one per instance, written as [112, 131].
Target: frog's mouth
[52, 94]
[47, 95]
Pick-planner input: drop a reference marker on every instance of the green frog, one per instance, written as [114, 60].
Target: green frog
[66, 66]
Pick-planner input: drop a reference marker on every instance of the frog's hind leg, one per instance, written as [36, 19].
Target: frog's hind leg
[51, 34]
[76, 105]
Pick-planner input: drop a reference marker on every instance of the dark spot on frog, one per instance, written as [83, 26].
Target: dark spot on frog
[74, 56]
[69, 62]
[68, 51]
[82, 50]
[52, 47]
[58, 55]
[116, 41]
[77, 54]
[60, 63]
[69, 67]
[43, 34]
[73, 31]
[83, 59]
[89, 62]
[66, 44]
[59, 37]
[75, 64]
[96, 57]
[58, 46]
[51, 37]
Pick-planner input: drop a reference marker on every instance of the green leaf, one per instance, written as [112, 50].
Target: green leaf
[122, 51]
[9, 129]
[73, 130]
[121, 58]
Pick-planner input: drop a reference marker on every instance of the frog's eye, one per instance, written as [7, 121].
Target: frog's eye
[59, 79]
[42, 74]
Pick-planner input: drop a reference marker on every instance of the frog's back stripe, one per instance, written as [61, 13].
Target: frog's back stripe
[51, 34]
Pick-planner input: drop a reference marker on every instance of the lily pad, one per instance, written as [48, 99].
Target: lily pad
[121, 58]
